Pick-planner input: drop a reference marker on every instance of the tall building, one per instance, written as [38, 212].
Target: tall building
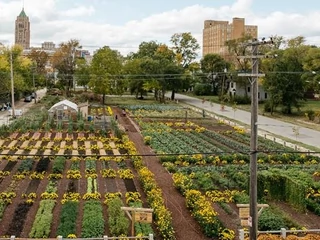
[22, 30]
[216, 33]
[48, 46]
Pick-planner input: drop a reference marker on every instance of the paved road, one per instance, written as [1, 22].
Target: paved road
[273, 126]
[20, 105]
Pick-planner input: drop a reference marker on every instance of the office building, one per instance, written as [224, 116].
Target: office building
[22, 30]
[216, 33]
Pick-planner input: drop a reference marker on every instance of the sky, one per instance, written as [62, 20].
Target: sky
[124, 24]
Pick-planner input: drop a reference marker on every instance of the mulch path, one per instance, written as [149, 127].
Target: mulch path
[184, 225]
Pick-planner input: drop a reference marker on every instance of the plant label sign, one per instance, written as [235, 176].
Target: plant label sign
[244, 212]
[144, 217]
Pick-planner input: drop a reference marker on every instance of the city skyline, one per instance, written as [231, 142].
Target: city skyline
[124, 24]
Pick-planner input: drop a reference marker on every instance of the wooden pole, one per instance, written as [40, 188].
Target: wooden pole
[253, 146]
[132, 222]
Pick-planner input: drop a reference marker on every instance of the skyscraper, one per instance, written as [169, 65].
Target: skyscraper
[216, 33]
[22, 30]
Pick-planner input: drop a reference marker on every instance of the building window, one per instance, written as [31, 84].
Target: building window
[231, 84]
[258, 95]
[265, 95]
[249, 89]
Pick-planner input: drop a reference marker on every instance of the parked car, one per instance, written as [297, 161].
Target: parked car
[28, 98]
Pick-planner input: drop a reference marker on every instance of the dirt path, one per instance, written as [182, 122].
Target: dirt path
[184, 225]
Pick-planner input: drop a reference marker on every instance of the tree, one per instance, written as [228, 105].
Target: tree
[215, 66]
[135, 76]
[283, 76]
[21, 72]
[236, 48]
[311, 64]
[38, 69]
[64, 60]
[82, 72]
[185, 46]
[106, 68]
[146, 49]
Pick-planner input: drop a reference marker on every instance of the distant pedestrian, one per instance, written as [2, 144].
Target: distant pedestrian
[116, 117]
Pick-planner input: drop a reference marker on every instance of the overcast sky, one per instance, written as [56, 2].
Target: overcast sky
[124, 24]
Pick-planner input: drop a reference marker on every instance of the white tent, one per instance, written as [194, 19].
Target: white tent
[64, 105]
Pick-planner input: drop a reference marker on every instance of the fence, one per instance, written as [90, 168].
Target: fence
[283, 232]
[150, 237]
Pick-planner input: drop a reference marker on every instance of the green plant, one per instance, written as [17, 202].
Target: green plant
[310, 114]
[43, 219]
[58, 164]
[118, 223]
[93, 222]
[68, 217]
[268, 220]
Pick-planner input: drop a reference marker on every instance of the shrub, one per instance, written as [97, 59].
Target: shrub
[201, 89]
[268, 221]
[241, 99]
[310, 114]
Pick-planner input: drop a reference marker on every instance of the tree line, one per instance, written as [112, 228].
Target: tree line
[291, 69]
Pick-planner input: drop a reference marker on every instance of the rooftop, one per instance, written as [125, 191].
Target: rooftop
[22, 14]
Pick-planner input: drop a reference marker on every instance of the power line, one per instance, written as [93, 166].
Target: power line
[168, 154]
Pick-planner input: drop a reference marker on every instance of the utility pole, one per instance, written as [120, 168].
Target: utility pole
[12, 86]
[34, 84]
[253, 78]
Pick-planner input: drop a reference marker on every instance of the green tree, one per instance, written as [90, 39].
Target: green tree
[146, 49]
[21, 72]
[283, 76]
[311, 64]
[82, 73]
[64, 60]
[185, 46]
[214, 66]
[135, 76]
[106, 68]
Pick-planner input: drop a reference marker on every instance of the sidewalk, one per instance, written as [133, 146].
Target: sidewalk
[266, 125]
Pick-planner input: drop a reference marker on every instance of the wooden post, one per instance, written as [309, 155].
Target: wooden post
[132, 222]
[283, 233]
[138, 215]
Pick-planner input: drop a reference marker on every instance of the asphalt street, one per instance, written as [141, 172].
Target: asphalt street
[5, 117]
[306, 135]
